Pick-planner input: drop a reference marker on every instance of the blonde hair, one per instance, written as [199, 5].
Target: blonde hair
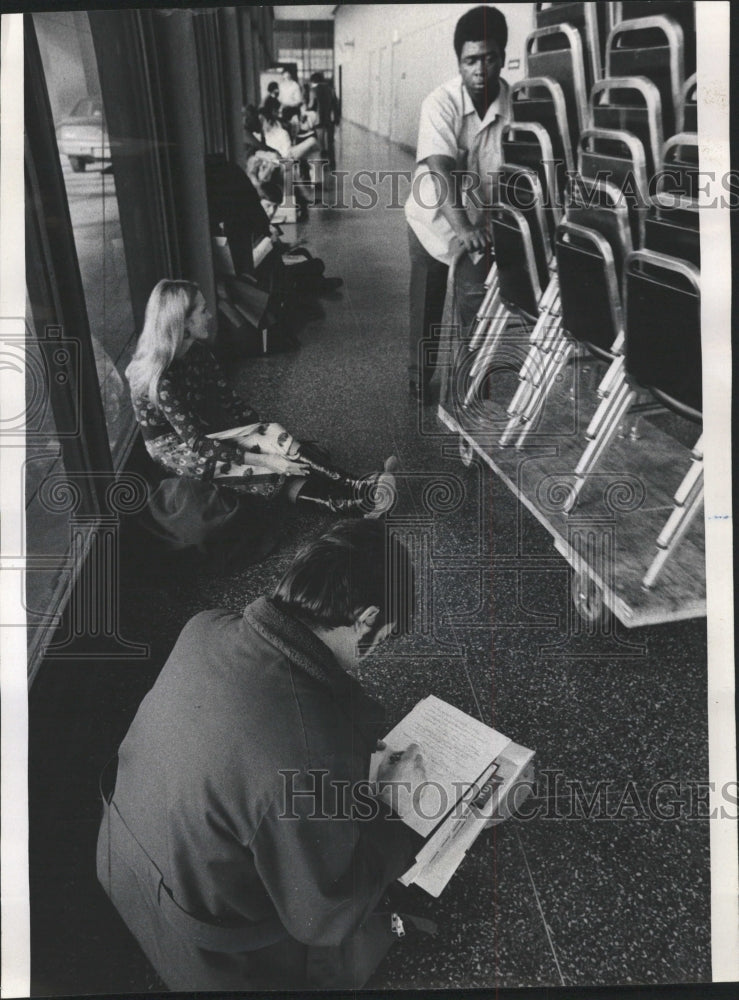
[169, 306]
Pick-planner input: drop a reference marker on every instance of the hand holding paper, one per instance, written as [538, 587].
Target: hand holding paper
[447, 776]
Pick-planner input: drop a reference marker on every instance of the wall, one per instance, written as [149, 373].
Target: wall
[400, 52]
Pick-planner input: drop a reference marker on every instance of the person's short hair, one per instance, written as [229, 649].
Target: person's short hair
[481, 24]
[353, 566]
[272, 87]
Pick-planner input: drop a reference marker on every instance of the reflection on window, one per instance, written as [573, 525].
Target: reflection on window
[49, 570]
[72, 80]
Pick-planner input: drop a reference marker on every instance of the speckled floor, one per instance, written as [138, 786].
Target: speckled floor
[589, 891]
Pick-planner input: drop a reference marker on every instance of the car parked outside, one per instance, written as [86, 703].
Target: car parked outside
[82, 135]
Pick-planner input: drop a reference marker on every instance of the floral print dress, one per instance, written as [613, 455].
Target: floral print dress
[195, 400]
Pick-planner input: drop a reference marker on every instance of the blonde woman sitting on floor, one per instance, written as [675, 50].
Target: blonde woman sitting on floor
[196, 427]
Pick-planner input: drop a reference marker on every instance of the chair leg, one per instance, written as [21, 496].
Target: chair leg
[613, 377]
[603, 428]
[529, 377]
[546, 339]
[537, 377]
[551, 327]
[481, 367]
[490, 333]
[562, 354]
[688, 502]
[487, 310]
[602, 415]
[548, 305]
[540, 375]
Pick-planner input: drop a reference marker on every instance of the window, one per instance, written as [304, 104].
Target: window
[71, 74]
[308, 44]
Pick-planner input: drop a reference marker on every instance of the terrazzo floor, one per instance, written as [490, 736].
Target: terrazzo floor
[592, 892]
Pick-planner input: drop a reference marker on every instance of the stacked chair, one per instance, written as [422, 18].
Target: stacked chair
[604, 127]
[546, 113]
[521, 280]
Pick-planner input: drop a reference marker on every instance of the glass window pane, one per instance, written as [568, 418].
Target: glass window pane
[49, 521]
[73, 84]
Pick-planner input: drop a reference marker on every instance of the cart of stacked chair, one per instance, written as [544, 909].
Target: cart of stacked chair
[590, 409]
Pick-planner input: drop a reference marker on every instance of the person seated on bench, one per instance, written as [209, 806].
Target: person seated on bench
[180, 396]
[236, 211]
[230, 874]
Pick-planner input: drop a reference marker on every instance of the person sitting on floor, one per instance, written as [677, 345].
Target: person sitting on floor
[293, 148]
[181, 396]
[235, 209]
[241, 841]
[277, 137]
[263, 163]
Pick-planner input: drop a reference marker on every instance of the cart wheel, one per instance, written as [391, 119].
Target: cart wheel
[588, 599]
[466, 451]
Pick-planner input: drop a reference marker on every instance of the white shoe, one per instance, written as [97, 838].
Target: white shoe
[382, 492]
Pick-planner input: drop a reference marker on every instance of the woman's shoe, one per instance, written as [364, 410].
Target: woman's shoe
[381, 489]
[371, 496]
[330, 496]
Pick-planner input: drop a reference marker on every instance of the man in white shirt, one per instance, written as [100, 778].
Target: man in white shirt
[459, 147]
[291, 96]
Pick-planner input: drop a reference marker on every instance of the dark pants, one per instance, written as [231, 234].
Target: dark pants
[469, 288]
[427, 295]
[325, 136]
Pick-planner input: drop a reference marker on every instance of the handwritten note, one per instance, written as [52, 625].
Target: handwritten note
[456, 749]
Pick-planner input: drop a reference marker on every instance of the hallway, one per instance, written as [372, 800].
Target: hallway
[579, 895]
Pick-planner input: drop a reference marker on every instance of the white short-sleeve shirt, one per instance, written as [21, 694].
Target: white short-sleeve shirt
[450, 126]
[290, 93]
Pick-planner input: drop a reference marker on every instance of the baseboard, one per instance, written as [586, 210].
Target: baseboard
[405, 146]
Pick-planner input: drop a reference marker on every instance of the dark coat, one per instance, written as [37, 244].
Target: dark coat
[325, 103]
[199, 787]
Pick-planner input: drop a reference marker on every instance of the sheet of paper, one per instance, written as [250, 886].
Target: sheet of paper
[447, 832]
[261, 250]
[442, 854]
[232, 432]
[456, 749]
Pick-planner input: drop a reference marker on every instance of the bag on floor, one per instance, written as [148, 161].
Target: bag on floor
[190, 513]
[226, 529]
[252, 322]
